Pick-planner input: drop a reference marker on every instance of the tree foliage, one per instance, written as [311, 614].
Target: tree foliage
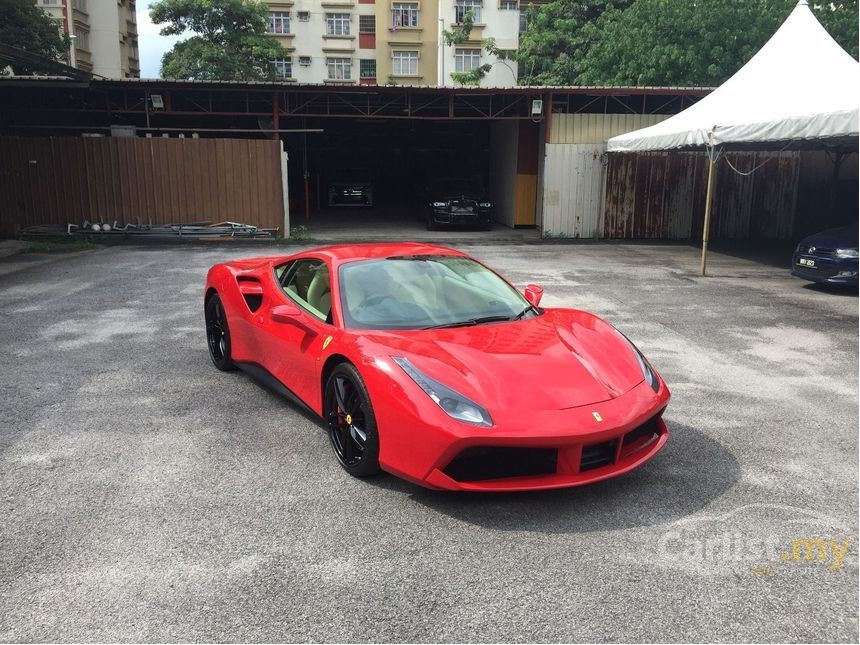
[558, 36]
[660, 42]
[27, 27]
[229, 42]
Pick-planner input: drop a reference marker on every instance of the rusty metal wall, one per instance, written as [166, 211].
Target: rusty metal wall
[662, 195]
[827, 193]
[59, 180]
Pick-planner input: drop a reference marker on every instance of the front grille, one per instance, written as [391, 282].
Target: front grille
[815, 250]
[495, 462]
[464, 205]
[597, 455]
[647, 429]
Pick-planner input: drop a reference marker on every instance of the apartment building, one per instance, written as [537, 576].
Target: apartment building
[103, 34]
[391, 41]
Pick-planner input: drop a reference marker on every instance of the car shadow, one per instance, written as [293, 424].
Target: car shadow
[690, 472]
[833, 289]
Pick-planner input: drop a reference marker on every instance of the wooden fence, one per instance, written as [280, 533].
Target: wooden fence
[60, 180]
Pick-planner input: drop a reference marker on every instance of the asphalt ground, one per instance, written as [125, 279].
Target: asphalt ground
[145, 496]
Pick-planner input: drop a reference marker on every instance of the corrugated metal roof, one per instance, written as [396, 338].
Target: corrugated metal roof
[338, 87]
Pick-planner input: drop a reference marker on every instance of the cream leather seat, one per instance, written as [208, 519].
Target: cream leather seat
[319, 292]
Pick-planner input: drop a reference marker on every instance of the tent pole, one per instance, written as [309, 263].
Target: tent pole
[709, 199]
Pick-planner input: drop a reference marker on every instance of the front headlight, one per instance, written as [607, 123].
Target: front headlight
[647, 371]
[453, 403]
[847, 253]
[485, 205]
[440, 204]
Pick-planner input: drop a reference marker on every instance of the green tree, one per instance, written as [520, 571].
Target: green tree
[558, 36]
[25, 26]
[671, 42]
[229, 41]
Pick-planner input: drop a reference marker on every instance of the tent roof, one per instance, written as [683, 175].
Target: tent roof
[800, 86]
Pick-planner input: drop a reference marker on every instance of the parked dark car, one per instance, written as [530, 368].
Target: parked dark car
[351, 188]
[829, 257]
[458, 202]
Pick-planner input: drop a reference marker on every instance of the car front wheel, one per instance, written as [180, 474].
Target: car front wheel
[351, 422]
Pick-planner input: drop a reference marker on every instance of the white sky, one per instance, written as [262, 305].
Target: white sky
[152, 45]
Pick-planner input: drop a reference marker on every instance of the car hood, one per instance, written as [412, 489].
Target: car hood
[562, 359]
[834, 238]
[446, 197]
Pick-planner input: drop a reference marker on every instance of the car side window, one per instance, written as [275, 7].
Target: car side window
[308, 283]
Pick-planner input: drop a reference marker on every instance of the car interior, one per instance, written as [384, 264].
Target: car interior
[308, 282]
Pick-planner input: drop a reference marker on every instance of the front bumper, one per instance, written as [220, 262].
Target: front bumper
[534, 450]
[347, 197]
[478, 217]
[827, 270]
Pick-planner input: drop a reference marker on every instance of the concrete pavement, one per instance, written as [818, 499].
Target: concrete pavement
[144, 496]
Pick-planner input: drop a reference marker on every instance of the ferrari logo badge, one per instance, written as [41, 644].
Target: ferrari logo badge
[597, 416]
[348, 420]
[326, 342]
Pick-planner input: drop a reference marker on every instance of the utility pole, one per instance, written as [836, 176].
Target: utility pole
[441, 48]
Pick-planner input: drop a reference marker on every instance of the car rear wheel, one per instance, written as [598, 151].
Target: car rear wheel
[431, 225]
[351, 422]
[218, 334]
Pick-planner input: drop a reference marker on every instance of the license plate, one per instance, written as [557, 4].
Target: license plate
[806, 262]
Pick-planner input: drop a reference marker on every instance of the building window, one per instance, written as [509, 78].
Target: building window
[367, 68]
[304, 16]
[404, 63]
[464, 6]
[81, 5]
[511, 5]
[337, 24]
[524, 20]
[367, 24]
[339, 69]
[279, 22]
[82, 39]
[283, 67]
[404, 14]
[465, 60]
[305, 61]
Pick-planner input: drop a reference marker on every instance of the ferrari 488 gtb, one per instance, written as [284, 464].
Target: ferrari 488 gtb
[427, 364]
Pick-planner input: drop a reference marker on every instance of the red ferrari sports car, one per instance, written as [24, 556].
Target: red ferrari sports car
[427, 364]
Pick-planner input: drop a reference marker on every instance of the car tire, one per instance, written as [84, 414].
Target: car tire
[218, 334]
[431, 225]
[351, 423]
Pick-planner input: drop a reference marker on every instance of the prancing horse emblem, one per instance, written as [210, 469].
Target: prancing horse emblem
[597, 416]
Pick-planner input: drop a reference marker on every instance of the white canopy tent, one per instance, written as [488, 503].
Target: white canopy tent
[800, 89]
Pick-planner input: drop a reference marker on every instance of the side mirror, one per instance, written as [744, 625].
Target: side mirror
[533, 294]
[289, 313]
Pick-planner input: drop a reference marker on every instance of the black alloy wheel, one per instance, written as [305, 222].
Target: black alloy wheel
[351, 423]
[218, 334]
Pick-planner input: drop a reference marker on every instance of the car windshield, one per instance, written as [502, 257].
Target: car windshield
[456, 187]
[424, 291]
[351, 177]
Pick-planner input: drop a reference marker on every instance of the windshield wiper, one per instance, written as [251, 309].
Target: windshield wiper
[525, 311]
[471, 322]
